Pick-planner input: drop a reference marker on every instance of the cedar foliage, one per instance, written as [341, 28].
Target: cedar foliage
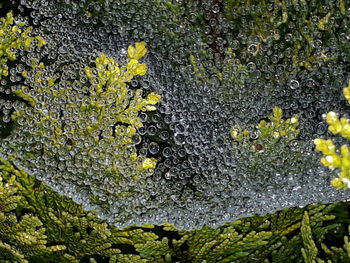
[38, 225]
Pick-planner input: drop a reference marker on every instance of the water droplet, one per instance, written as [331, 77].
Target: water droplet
[153, 148]
[294, 84]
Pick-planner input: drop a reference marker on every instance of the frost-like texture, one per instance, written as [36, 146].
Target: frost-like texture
[92, 131]
[13, 35]
[216, 65]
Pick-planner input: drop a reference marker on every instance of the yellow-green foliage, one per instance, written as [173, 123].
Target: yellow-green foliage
[38, 225]
[268, 19]
[14, 35]
[309, 251]
[19, 235]
[108, 115]
[107, 101]
[269, 145]
[339, 254]
[269, 133]
[282, 237]
[277, 127]
[199, 70]
[264, 25]
[233, 71]
[232, 74]
[334, 157]
[54, 219]
[115, 80]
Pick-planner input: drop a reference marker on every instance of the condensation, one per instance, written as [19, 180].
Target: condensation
[215, 66]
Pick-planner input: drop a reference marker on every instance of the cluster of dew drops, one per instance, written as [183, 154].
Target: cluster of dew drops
[202, 176]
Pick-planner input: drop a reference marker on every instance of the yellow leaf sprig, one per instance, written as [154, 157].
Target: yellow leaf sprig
[271, 132]
[109, 103]
[334, 158]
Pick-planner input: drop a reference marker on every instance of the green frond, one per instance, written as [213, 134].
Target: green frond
[309, 251]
